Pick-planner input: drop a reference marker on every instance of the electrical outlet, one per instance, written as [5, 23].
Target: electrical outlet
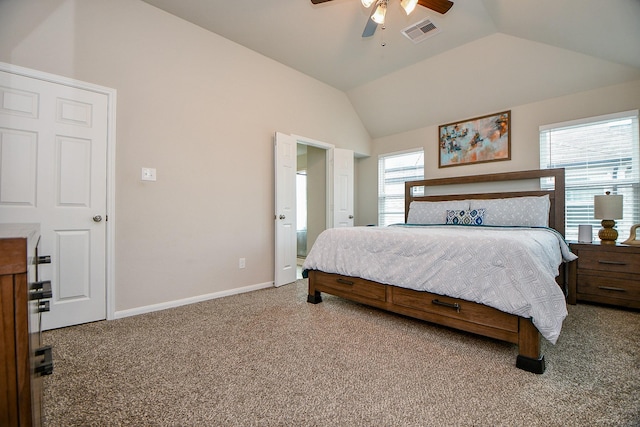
[241, 263]
[148, 174]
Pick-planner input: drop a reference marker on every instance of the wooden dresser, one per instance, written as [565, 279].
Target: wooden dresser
[607, 274]
[23, 360]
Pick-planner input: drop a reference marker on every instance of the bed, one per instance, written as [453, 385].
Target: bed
[340, 264]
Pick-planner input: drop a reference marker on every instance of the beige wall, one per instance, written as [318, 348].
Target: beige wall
[525, 122]
[201, 110]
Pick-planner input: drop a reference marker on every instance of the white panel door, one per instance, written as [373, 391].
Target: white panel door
[285, 205]
[53, 171]
[342, 177]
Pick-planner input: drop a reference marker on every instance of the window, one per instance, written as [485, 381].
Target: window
[599, 154]
[393, 170]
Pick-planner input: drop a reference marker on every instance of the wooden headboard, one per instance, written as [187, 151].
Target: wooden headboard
[556, 196]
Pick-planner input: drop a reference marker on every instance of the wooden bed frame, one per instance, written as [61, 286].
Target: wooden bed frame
[452, 312]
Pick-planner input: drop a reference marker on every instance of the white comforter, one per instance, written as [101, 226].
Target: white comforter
[512, 269]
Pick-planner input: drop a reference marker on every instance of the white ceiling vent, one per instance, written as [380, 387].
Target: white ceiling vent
[421, 31]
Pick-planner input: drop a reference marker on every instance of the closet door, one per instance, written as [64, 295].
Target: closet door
[53, 171]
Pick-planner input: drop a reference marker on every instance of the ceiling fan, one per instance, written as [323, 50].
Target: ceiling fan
[378, 12]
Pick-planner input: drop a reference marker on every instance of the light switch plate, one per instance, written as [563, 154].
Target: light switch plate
[148, 174]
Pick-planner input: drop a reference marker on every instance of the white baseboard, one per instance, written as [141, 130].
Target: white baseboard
[177, 303]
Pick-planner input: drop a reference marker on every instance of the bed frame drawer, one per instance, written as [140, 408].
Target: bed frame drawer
[344, 285]
[452, 312]
[454, 308]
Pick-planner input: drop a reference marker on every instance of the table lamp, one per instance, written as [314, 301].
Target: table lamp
[608, 208]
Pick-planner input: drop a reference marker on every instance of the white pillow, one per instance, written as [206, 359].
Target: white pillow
[434, 212]
[528, 211]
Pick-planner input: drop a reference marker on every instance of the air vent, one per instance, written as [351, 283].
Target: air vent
[421, 31]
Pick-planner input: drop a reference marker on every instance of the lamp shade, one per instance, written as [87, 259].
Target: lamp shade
[608, 206]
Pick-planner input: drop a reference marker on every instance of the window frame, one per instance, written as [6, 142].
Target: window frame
[385, 217]
[587, 176]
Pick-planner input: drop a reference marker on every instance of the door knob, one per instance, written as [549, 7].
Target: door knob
[282, 217]
[97, 218]
[350, 216]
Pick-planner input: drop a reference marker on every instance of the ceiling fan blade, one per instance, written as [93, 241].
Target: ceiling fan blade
[371, 26]
[319, 1]
[440, 6]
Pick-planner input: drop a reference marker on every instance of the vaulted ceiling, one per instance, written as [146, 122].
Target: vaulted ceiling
[495, 53]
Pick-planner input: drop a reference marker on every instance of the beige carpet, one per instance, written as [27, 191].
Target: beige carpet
[268, 358]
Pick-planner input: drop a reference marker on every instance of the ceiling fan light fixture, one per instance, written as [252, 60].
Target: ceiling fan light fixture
[380, 12]
[367, 3]
[408, 5]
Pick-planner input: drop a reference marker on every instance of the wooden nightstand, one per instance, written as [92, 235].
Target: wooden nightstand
[608, 274]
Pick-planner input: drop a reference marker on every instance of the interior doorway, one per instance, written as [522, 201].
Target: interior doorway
[329, 196]
[311, 197]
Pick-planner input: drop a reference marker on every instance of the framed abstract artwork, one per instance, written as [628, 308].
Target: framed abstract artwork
[482, 139]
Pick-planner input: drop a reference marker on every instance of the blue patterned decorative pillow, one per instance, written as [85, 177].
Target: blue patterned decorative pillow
[470, 217]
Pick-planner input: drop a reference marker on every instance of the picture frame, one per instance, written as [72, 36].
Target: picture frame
[478, 140]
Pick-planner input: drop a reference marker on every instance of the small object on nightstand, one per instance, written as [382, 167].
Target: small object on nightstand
[608, 208]
[585, 233]
[633, 236]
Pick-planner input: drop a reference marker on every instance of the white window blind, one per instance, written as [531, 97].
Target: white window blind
[599, 154]
[393, 170]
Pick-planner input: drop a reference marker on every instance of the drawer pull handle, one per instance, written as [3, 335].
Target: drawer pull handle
[43, 306]
[345, 282]
[612, 262]
[45, 366]
[43, 259]
[40, 290]
[611, 288]
[455, 306]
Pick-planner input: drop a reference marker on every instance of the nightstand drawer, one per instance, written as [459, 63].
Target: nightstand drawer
[609, 261]
[608, 287]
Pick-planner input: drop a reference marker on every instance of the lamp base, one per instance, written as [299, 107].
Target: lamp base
[607, 233]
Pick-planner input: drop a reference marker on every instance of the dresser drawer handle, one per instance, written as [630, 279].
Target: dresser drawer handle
[611, 288]
[40, 290]
[43, 259]
[43, 306]
[345, 282]
[455, 306]
[45, 365]
[612, 262]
